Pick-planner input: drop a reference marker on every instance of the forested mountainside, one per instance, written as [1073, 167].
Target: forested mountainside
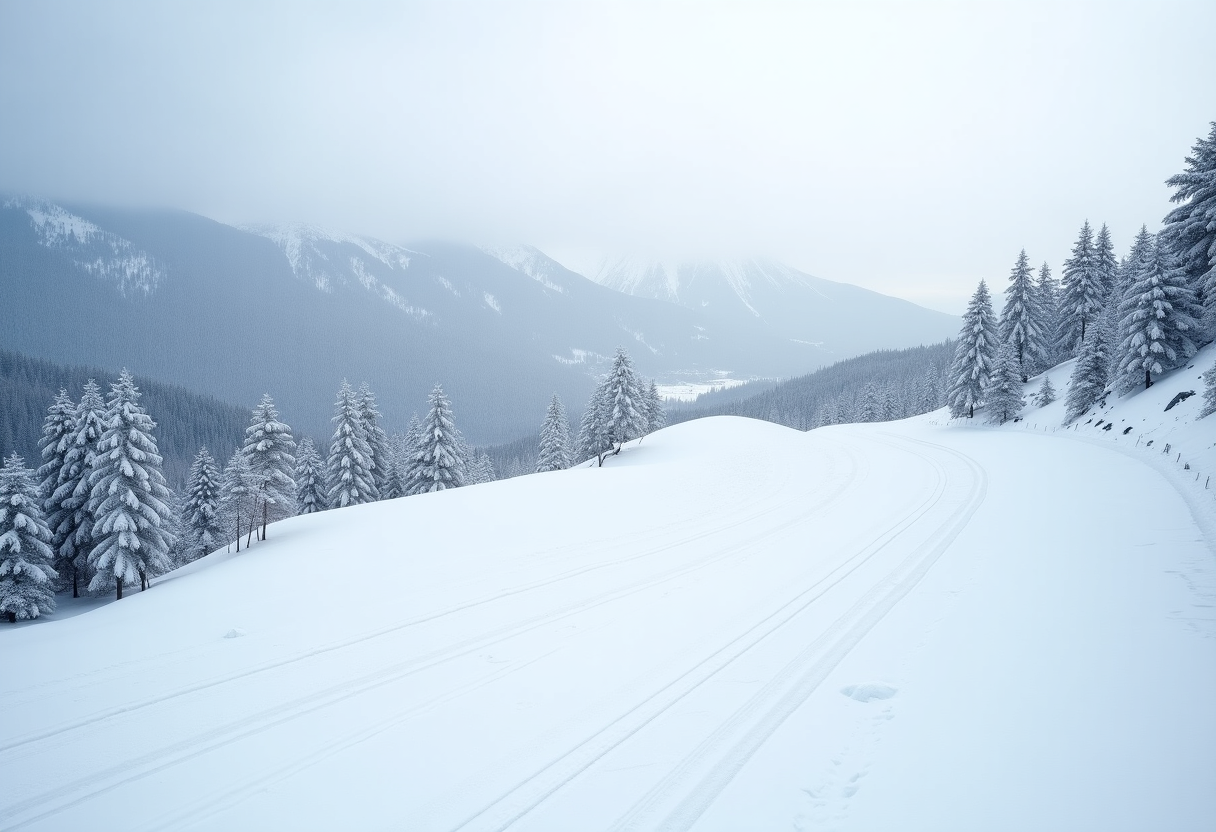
[185, 421]
[876, 387]
[292, 310]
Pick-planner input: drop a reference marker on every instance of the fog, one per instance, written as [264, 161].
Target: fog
[908, 148]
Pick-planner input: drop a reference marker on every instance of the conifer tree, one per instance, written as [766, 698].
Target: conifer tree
[56, 442]
[1022, 320]
[394, 483]
[1046, 393]
[437, 463]
[592, 438]
[26, 574]
[1188, 233]
[1090, 375]
[71, 523]
[1105, 263]
[237, 495]
[974, 355]
[268, 449]
[1080, 294]
[377, 441]
[656, 418]
[311, 490]
[624, 411]
[1209, 392]
[480, 470]
[868, 408]
[201, 520]
[1047, 295]
[1004, 393]
[349, 468]
[1157, 316]
[128, 497]
[554, 452]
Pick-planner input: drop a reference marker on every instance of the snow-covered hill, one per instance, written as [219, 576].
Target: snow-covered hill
[732, 625]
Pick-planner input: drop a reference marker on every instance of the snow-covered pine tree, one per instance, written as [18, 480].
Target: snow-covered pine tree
[201, 519]
[128, 497]
[1046, 393]
[624, 408]
[57, 433]
[394, 483]
[1090, 375]
[269, 449]
[592, 439]
[1047, 295]
[71, 523]
[554, 450]
[1105, 263]
[377, 441]
[349, 470]
[974, 354]
[1209, 391]
[1021, 323]
[868, 407]
[929, 396]
[480, 469]
[26, 574]
[1004, 392]
[1188, 232]
[1157, 316]
[656, 418]
[236, 496]
[1081, 293]
[176, 532]
[311, 491]
[437, 463]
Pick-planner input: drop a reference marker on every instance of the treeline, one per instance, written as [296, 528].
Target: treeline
[1125, 320]
[185, 420]
[877, 386]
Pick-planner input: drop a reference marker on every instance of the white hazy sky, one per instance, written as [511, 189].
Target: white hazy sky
[908, 147]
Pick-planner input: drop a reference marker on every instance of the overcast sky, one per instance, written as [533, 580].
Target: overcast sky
[908, 147]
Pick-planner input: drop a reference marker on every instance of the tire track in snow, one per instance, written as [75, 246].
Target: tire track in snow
[531, 792]
[769, 707]
[396, 627]
[55, 801]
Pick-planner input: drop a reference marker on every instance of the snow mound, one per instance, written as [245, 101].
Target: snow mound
[869, 691]
[235, 632]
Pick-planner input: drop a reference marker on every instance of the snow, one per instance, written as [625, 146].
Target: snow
[688, 391]
[731, 625]
[97, 252]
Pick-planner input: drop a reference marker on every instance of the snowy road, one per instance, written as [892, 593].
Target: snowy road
[730, 626]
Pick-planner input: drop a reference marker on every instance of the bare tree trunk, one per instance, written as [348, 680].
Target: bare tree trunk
[75, 581]
[119, 582]
[265, 515]
[252, 525]
[1148, 380]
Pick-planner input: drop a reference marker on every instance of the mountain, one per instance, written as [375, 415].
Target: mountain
[840, 319]
[293, 309]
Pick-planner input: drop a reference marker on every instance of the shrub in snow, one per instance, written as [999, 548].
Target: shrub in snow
[1046, 393]
[26, 573]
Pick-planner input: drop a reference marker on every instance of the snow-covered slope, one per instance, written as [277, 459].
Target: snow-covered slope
[731, 625]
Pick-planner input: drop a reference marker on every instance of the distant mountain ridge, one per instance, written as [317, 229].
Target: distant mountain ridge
[292, 309]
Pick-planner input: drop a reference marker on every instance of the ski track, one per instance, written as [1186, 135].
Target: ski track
[778, 699]
[55, 801]
[247, 673]
[527, 795]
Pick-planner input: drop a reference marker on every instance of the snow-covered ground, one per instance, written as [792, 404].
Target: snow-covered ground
[730, 626]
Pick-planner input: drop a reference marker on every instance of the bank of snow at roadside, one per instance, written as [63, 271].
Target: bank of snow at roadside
[730, 625]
